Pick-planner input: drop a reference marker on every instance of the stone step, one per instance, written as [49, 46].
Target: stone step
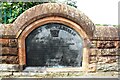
[9, 67]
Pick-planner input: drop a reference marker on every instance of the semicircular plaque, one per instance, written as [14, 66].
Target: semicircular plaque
[54, 45]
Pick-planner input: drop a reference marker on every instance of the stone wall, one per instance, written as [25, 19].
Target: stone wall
[104, 48]
[8, 45]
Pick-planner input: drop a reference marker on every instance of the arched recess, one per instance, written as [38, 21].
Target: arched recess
[31, 27]
[53, 13]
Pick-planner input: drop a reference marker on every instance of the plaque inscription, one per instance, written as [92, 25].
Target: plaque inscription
[54, 45]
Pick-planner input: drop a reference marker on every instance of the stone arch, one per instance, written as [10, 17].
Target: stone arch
[53, 9]
[49, 13]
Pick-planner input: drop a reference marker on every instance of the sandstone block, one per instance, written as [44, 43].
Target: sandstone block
[106, 44]
[107, 59]
[93, 44]
[9, 67]
[107, 51]
[13, 43]
[8, 51]
[108, 67]
[92, 67]
[4, 74]
[8, 42]
[93, 59]
[4, 42]
[118, 44]
[93, 51]
[9, 59]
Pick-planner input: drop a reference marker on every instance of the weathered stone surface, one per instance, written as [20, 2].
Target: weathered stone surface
[93, 51]
[28, 74]
[118, 51]
[13, 42]
[8, 42]
[4, 42]
[49, 75]
[103, 56]
[92, 59]
[93, 44]
[106, 33]
[105, 38]
[9, 67]
[9, 30]
[53, 9]
[107, 51]
[2, 29]
[9, 59]
[106, 44]
[118, 44]
[107, 59]
[9, 51]
[5, 74]
[104, 75]
[6, 31]
[104, 52]
[108, 67]
[92, 67]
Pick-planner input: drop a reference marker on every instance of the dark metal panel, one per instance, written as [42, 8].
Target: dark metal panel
[54, 45]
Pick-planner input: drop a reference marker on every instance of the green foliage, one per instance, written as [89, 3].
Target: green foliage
[9, 11]
[71, 3]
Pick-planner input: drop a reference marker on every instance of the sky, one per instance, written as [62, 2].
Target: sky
[100, 11]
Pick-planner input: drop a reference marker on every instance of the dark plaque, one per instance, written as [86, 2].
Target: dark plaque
[54, 45]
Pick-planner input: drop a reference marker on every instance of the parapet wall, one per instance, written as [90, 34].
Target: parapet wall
[105, 49]
[104, 45]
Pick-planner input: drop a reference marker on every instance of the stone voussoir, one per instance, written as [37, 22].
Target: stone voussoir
[54, 9]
